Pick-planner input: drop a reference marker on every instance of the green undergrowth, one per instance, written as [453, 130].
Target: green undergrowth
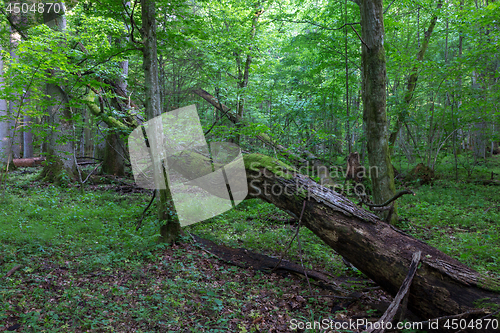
[462, 169]
[460, 218]
[41, 220]
[83, 267]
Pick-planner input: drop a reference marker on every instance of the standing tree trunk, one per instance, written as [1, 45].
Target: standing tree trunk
[5, 127]
[243, 73]
[412, 80]
[16, 103]
[60, 161]
[27, 138]
[13, 124]
[88, 135]
[166, 210]
[114, 156]
[374, 102]
[115, 151]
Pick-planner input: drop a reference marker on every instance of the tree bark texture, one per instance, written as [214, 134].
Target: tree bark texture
[115, 153]
[114, 156]
[16, 103]
[60, 161]
[27, 138]
[374, 101]
[442, 285]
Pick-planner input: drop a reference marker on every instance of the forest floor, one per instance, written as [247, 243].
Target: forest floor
[73, 262]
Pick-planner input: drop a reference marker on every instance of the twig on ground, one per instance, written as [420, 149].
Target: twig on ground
[300, 256]
[139, 223]
[13, 270]
[90, 174]
[290, 244]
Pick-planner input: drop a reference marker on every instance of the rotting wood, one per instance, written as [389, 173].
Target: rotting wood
[38, 161]
[442, 286]
[393, 308]
[28, 162]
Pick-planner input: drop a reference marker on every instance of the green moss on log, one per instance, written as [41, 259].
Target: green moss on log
[254, 162]
[191, 164]
[96, 111]
[194, 165]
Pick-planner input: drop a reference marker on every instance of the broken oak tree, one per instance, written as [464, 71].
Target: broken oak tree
[442, 285]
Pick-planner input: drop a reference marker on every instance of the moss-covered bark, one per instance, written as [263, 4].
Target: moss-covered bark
[374, 102]
[167, 214]
[171, 227]
[258, 161]
[96, 111]
[57, 169]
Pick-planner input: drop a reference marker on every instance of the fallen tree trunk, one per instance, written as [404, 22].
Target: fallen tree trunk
[28, 162]
[38, 161]
[442, 285]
